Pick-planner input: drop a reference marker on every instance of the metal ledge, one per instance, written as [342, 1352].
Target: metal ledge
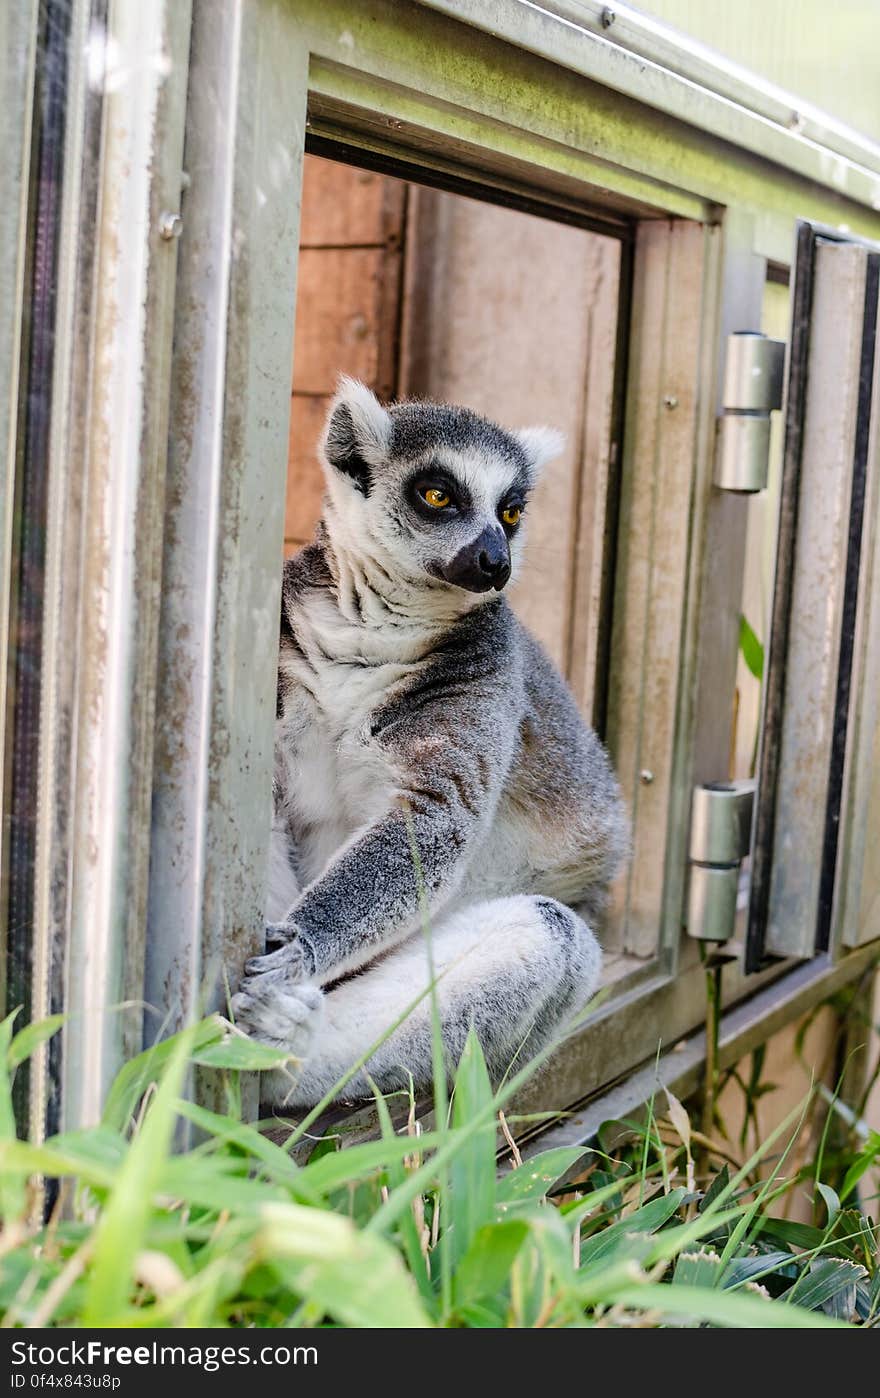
[663, 70]
[743, 1028]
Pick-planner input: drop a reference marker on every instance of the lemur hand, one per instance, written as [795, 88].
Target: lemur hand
[291, 962]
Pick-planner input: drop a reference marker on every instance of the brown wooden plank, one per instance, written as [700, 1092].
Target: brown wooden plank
[339, 307]
[305, 479]
[346, 207]
[501, 309]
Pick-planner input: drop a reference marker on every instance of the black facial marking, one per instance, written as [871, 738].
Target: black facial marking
[343, 450]
[437, 477]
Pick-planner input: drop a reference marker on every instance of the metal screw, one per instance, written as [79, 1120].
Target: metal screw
[607, 17]
[646, 776]
[670, 401]
[170, 226]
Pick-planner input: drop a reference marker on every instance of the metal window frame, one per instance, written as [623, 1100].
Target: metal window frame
[538, 108]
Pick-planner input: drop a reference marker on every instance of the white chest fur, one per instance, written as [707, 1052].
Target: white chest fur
[331, 778]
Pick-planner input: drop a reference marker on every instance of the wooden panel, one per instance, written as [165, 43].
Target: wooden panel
[598, 457]
[305, 479]
[346, 207]
[502, 314]
[653, 552]
[337, 313]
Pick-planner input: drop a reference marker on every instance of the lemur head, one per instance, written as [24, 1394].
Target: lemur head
[433, 495]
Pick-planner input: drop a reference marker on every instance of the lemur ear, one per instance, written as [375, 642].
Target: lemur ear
[357, 434]
[541, 444]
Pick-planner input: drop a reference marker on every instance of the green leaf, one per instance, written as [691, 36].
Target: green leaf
[644, 1221]
[485, 1267]
[275, 1161]
[862, 1164]
[799, 1235]
[719, 1307]
[134, 1077]
[829, 1282]
[12, 1191]
[344, 1167]
[122, 1226]
[751, 648]
[530, 1181]
[30, 1038]
[471, 1200]
[718, 1185]
[832, 1203]
[207, 1184]
[357, 1278]
[407, 1229]
[697, 1269]
[744, 1269]
[241, 1055]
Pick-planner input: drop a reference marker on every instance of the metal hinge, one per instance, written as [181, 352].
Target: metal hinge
[752, 390]
[721, 832]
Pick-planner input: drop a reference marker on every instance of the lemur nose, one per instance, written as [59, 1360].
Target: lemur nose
[497, 568]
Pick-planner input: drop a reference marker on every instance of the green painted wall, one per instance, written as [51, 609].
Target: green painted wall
[827, 51]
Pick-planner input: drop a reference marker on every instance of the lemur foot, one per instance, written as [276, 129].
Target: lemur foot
[283, 1016]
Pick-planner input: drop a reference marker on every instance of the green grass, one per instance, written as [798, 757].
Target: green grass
[413, 1229]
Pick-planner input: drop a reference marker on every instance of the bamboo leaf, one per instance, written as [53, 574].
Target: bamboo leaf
[30, 1038]
[832, 1203]
[134, 1078]
[485, 1268]
[751, 649]
[828, 1285]
[861, 1165]
[471, 1200]
[530, 1181]
[122, 1226]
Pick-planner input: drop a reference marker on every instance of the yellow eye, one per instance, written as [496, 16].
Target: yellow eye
[512, 515]
[438, 498]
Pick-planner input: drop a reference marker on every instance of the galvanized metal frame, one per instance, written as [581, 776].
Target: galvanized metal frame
[224, 522]
[820, 570]
[109, 434]
[538, 109]
[18, 45]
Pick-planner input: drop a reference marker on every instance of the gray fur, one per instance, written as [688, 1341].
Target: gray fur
[412, 710]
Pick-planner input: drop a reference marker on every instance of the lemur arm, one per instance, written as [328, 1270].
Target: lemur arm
[369, 896]
[451, 743]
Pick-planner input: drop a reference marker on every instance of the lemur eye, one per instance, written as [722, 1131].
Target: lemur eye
[438, 498]
[512, 515]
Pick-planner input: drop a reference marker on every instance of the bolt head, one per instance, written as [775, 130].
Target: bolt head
[170, 226]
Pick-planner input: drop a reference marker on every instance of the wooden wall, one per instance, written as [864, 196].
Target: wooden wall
[423, 293]
[347, 312]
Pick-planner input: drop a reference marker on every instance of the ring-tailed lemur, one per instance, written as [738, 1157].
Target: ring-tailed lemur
[413, 706]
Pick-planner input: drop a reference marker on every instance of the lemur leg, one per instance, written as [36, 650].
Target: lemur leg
[516, 968]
